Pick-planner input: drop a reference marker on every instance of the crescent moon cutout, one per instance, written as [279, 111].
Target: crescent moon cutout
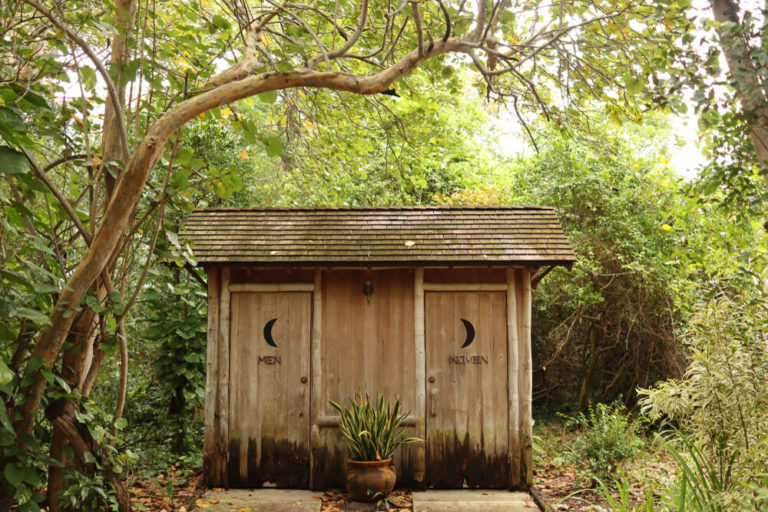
[470, 333]
[268, 333]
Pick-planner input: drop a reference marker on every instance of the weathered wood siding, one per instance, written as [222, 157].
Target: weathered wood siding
[467, 419]
[269, 398]
[364, 343]
[340, 341]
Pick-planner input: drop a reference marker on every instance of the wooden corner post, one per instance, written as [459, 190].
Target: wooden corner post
[526, 383]
[513, 382]
[315, 369]
[216, 449]
[420, 380]
[211, 465]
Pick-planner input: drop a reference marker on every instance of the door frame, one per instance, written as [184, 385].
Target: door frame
[519, 366]
[315, 288]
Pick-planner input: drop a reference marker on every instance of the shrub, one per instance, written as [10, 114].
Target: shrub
[722, 403]
[609, 438]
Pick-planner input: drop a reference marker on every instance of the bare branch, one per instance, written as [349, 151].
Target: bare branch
[350, 42]
[63, 160]
[40, 175]
[479, 29]
[419, 34]
[320, 45]
[447, 21]
[400, 8]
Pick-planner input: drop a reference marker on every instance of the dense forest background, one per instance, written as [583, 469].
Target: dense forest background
[497, 103]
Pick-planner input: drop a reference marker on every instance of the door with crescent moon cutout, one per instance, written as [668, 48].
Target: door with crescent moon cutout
[269, 389]
[467, 408]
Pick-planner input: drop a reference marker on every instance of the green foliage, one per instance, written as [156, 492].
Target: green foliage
[176, 337]
[372, 430]
[626, 501]
[435, 138]
[608, 438]
[612, 317]
[722, 401]
[698, 486]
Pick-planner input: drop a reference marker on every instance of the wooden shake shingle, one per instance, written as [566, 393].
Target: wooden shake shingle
[389, 236]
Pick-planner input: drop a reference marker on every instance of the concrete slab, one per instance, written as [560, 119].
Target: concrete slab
[473, 501]
[261, 500]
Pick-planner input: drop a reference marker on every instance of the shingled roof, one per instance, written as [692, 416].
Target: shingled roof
[426, 236]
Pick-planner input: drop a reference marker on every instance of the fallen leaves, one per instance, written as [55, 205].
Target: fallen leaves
[400, 501]
[172, 492]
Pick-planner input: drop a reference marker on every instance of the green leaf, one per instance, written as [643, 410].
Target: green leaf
[14, 474]
[89, 77]
[34, 100]
[10, 121]
[221, 22]
[272, 144]
[183, 156]
[29, 506]
[12, 161]
[36, 316]
[6, 438]
[268, 96]
[6, 375]
[633, 84]
[129, 73]
[219, 189]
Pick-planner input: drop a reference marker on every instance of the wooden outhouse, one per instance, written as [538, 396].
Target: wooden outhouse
[428, 304]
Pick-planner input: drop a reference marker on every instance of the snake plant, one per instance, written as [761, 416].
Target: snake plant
[372, 430]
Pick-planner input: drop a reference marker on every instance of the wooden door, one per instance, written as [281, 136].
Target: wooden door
[467, 408]
[269, 389]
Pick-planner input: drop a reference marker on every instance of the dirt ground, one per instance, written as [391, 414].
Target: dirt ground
[561, 484]
[566, 486]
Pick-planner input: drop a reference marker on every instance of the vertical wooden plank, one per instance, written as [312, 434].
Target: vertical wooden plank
[401, 314]
[369, 332]
[316, 392]
[222, 393]
[526, 383]
[211, 464]
[420, 377]
[513, 367]
[500, 444]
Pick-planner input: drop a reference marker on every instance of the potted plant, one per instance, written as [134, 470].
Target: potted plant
[372, 432]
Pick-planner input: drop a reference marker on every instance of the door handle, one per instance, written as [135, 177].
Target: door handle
[303, 395]
[432, 411]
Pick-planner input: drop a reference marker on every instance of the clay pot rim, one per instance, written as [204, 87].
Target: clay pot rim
[373, 463]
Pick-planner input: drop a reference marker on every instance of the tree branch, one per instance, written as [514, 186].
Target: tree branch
[419, 34]
[96, 62]
[349, 43]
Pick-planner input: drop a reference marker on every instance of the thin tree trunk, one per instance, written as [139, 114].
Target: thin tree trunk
[737, 56]
[72, 369]
[589, 369]
[61, 413]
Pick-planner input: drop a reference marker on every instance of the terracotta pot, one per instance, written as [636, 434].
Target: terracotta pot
[366, 479]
